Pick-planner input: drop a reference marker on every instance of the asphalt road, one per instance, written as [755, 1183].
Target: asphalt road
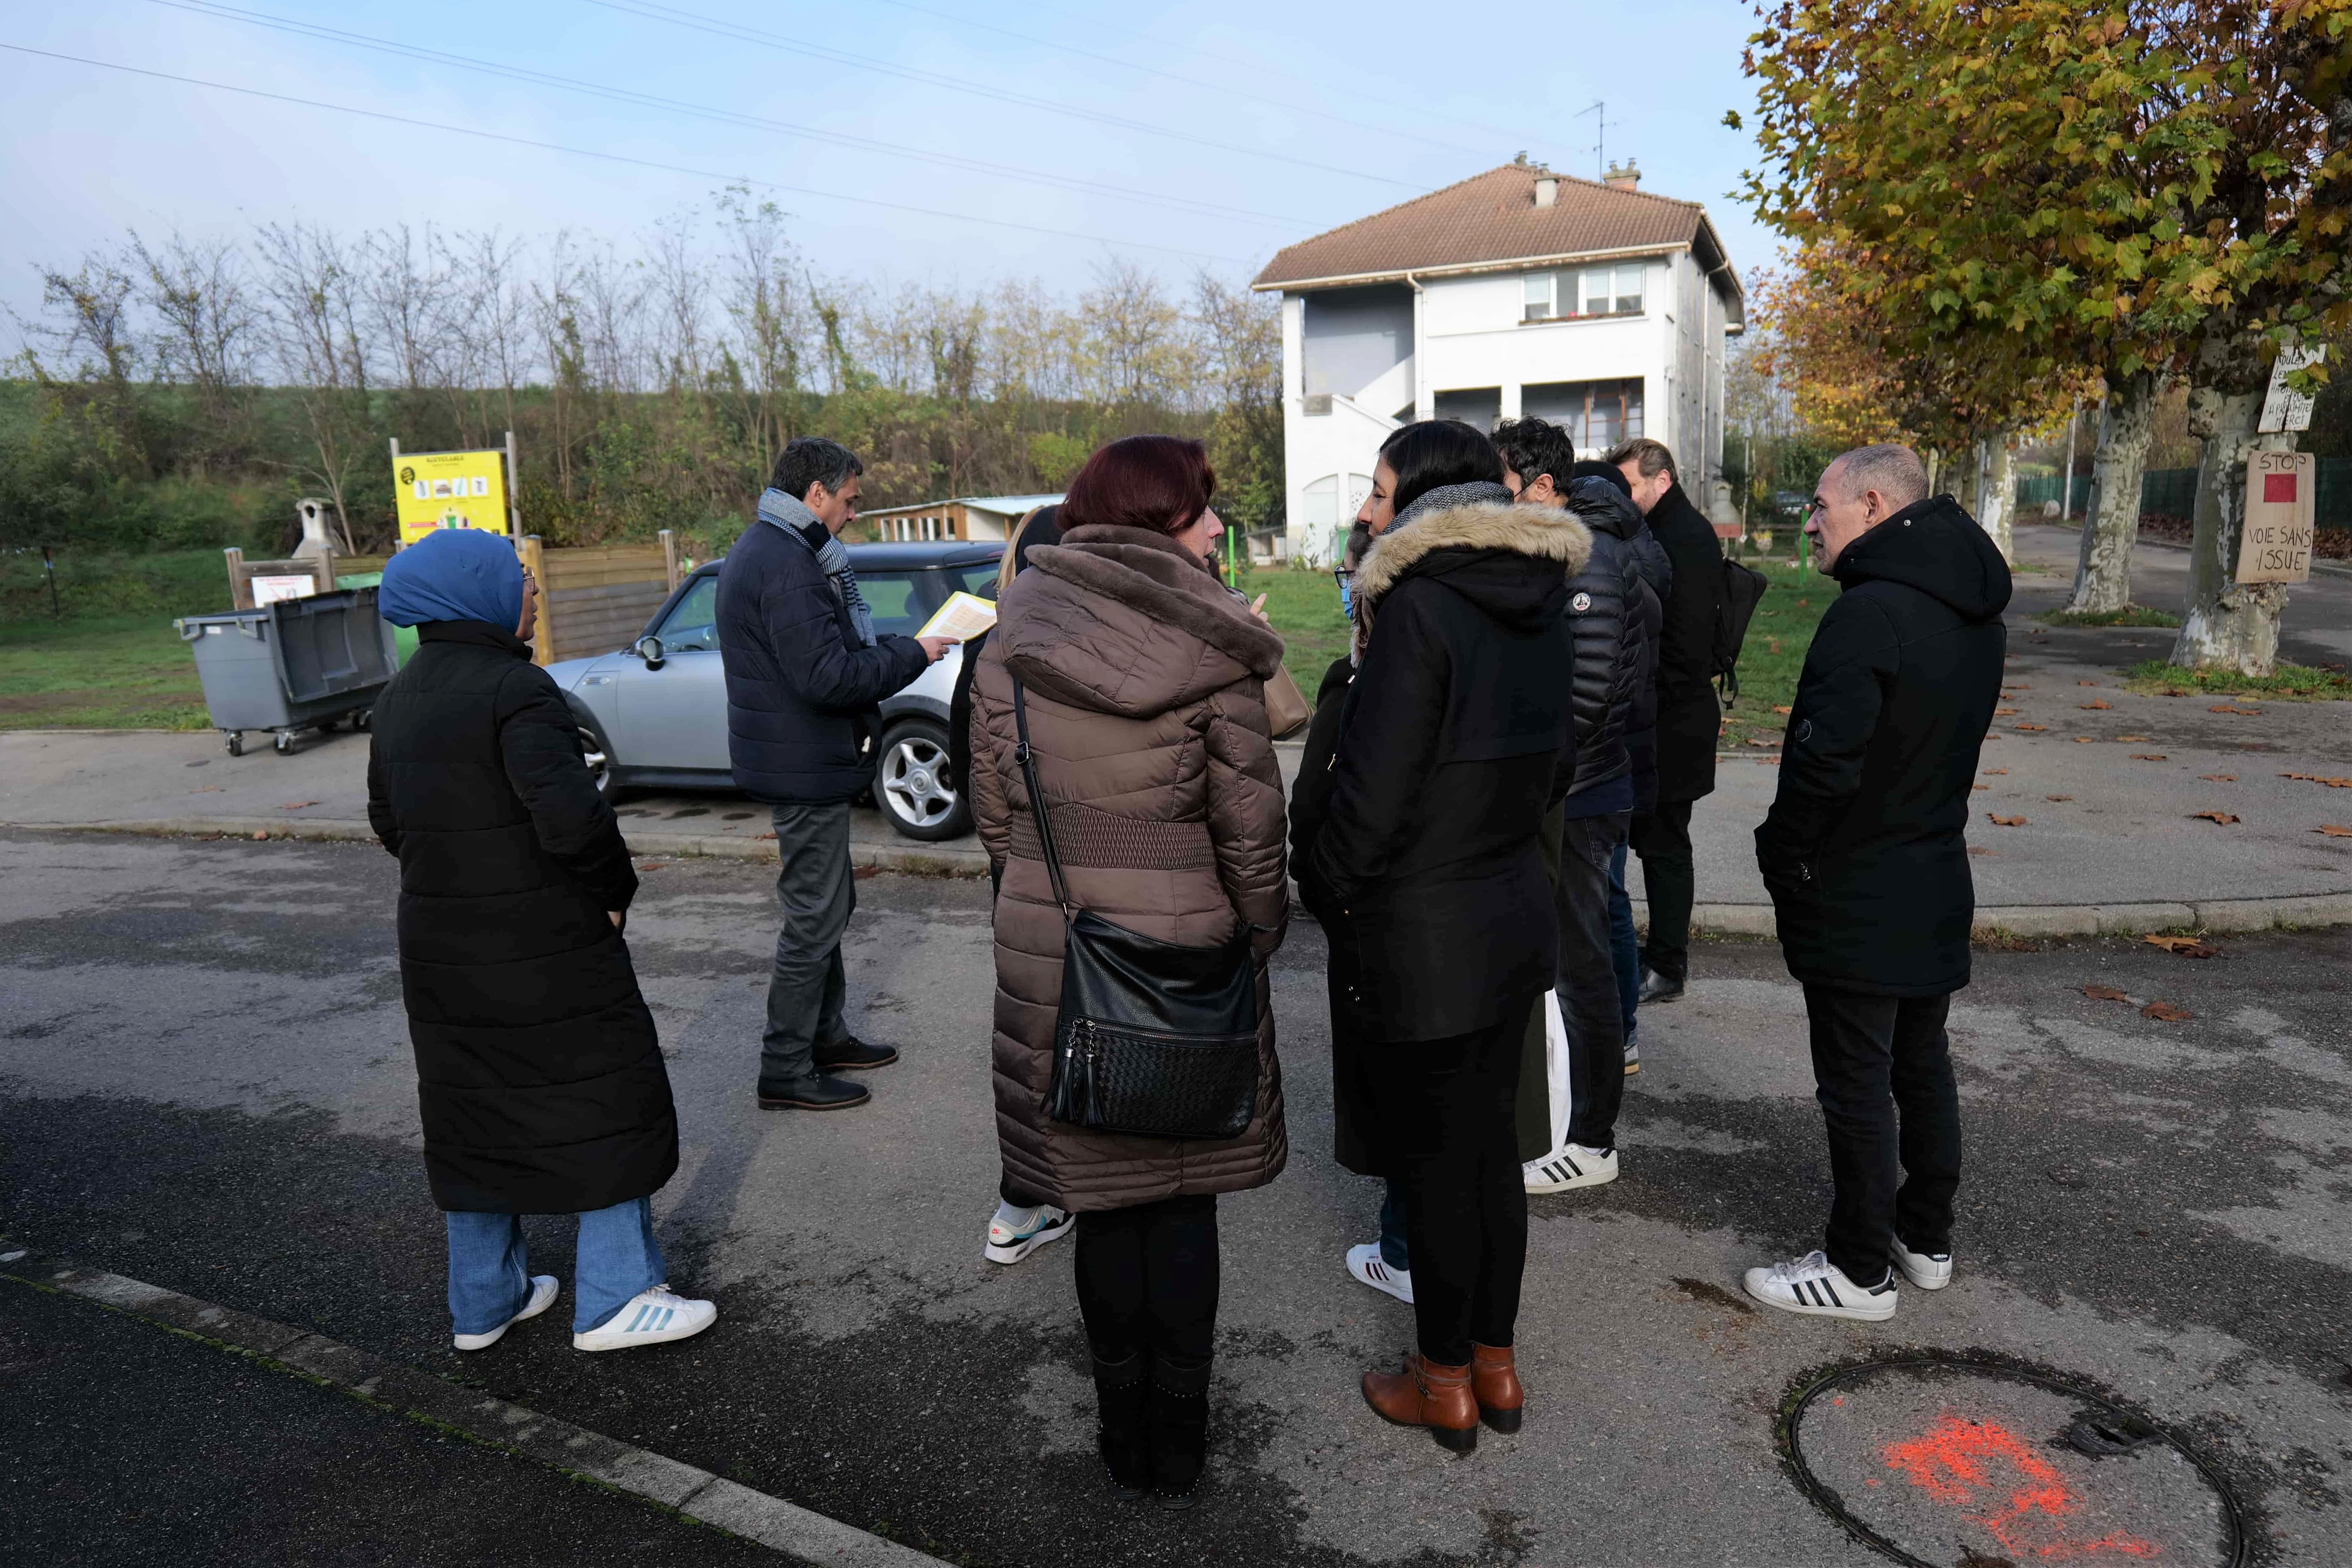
[205, 1083]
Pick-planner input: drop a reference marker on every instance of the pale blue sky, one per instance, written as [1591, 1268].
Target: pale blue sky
[1272, 120]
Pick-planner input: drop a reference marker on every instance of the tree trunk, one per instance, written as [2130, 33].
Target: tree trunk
[1997, 495]
[2224, 625]
[2111, 525]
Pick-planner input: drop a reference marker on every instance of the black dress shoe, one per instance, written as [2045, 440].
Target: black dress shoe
[818, 1091]
[849, 1054]
[1657, 987]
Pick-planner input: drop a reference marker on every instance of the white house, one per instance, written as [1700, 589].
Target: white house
[1595, 304]
[958, 517]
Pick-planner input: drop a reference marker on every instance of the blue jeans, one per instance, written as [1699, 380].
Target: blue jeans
[1625, 947]
[489, 1279]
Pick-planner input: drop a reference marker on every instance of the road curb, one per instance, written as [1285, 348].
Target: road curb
[413, 1391]
[1707, 920]
[929, 860]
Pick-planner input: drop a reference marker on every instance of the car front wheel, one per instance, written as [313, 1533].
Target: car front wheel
[599, 758]
[911, 783]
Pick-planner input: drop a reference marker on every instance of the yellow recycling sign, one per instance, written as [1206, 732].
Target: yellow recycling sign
[449, 489]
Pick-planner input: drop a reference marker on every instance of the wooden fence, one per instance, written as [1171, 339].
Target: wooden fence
[597, 599]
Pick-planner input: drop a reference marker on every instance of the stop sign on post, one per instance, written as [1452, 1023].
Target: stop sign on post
[2276, 547]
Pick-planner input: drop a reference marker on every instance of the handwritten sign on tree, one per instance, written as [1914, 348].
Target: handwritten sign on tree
[2276, 547]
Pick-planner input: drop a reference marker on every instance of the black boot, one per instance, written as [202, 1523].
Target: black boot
[1179, 1429]
[1123, 1397]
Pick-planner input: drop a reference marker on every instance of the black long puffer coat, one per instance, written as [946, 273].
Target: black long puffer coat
[1689, 716]
[1603, 611]
[1657, 574]
[540, 1079]
[1865, 849]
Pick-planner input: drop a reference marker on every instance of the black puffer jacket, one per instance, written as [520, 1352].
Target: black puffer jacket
[1657, 574]
[1605, 614]
[539, 1076]
[1865, 849]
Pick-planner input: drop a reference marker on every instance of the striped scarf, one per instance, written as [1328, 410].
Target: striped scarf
[831, 556]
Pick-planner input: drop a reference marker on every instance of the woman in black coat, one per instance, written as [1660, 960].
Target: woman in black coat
[1427, 873]
[540, 1080]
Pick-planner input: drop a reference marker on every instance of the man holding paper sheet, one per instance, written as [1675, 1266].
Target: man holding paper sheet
[804, 673]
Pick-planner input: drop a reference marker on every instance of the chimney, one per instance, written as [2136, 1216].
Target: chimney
[1547, 190]
[1623, 176]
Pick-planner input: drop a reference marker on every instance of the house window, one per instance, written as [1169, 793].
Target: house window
[1597, 415]
[1591, 292]
[1540, 287]
[1480, 407]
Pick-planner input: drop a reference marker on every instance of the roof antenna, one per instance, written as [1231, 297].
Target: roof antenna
[1600, 134]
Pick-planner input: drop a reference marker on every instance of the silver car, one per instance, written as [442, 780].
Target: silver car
[654, 714]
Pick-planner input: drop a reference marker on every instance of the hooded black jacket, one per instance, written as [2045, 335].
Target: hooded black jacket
[1865, 849]
[1689, 717]
[1425, 868]
[1605, 612]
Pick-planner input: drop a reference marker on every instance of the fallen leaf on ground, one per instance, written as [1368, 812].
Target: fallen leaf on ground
[2219, 778]
[2089, 707]
[2131, 737]
[1759, 741]
[1769, 761]
[2017, 686]
[1989, 772]
[1979, 787]
[2082, 739]
[1999, 821]
[649, 865]
[2332, 830]
[1980, 849]
[757, 837]
[297, 805]
[2175, 691]
[2104, 994]
[2320, 779]
[2057, 797]
[2229, 708]
[2167, 1013]
[2005, 712]
[2148, 756]
[1776, 708]
[2033, 726]
[2086, 683]
[1773, 644]
[259, 837]
[2223, 817]
[2186, 946]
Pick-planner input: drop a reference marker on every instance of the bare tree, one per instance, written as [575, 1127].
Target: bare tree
[314, 301]
[206, 336]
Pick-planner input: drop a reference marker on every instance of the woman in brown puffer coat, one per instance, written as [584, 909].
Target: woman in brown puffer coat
[1144, 681]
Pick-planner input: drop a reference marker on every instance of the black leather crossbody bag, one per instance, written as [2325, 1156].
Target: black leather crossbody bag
[1154, 1038]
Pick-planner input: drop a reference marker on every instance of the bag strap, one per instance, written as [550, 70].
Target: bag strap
[1027, 757]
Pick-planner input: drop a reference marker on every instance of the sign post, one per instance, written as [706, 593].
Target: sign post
[433, 490]
[2274, 545]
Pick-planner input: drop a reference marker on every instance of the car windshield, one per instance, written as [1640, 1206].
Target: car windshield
[980, 580]
[690, 625]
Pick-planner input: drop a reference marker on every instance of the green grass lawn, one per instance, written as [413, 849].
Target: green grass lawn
[1305, 608]
[111, 660]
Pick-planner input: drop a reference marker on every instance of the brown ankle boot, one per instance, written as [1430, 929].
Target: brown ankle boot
[1427, 1395]
[1495, 1381]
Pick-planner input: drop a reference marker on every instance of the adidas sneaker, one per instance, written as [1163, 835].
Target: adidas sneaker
[1574, 1166]
[1928, 1270]
[1815, 1286]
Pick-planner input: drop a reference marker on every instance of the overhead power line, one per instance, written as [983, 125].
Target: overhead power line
[720, 115]
[655, 12]
[619, 157]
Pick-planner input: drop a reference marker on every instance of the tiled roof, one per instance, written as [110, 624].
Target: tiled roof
[1493, 217]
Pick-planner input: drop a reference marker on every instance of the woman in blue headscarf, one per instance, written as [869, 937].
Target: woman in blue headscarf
[540, 1077]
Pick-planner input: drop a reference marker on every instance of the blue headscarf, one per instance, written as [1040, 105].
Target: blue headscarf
[453, 574]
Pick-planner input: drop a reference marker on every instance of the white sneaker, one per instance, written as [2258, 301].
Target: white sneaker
[1014, 1234]
[652, 1317]
[1632, 1051]
[1573, 1166]
[1928, 1270]
[1815, 1286]
[1364, 1263]
[542, 1296]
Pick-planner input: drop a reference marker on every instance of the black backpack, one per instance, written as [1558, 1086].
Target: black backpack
[1742, 587]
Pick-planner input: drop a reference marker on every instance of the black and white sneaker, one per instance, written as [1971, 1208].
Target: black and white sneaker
[1819, 1288]
[1574, 1166]
[1928, 1270]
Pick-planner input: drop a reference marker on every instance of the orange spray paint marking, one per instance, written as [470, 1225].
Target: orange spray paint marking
[1954, 1463]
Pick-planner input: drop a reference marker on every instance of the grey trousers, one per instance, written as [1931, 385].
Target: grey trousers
[818, 894]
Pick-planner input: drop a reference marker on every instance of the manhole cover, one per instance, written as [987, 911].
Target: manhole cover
[1943, 1462]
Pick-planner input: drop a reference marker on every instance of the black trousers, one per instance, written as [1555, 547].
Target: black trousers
[1444, 1116]
[1883, 1072]
[1662, 838]
[1590, 1006]
[1148, 1280]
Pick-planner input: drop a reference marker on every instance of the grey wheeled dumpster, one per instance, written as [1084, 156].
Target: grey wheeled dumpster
[294, 666]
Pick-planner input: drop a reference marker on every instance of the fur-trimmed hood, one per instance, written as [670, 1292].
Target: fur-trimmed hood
[1127, 621]
[1455, 542]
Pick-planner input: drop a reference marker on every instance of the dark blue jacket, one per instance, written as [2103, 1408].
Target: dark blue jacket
[801, 692]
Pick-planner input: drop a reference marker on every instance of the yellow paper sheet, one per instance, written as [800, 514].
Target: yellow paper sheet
[963, 617]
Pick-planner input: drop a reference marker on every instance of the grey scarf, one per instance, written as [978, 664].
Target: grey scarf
[831, 556]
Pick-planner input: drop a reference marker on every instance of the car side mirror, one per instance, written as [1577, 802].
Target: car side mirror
[649, 648]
